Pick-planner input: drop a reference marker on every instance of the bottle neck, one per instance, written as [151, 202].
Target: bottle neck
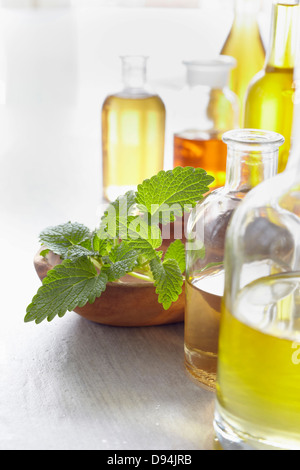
[293, 164]
[252, 157]
[134, 73]
[284, 29]
[246, 169]
[246, 11]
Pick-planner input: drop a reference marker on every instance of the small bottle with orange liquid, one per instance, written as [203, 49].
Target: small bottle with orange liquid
[207, 110]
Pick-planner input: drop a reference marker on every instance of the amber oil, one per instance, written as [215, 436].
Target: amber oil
[209, 153]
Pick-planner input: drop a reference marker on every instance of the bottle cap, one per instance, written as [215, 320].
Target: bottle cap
[287, 2]
[210, 72]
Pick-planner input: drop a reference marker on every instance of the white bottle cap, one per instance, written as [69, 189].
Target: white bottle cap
[210, 72]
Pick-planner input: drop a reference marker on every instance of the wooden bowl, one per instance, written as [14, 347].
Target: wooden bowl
[132, 303]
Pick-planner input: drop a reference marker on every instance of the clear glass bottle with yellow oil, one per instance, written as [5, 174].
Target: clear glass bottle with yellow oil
[270, 97]
[258, 380]
[133, 131]
[245, 44]
[252, 157]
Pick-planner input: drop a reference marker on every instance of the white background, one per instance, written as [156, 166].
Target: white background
[56, 67]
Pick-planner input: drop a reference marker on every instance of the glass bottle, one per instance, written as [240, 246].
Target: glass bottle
[258, 381]
[270, 97]
[252, 158]
[133, 131]
[207, 109]
[245, 44]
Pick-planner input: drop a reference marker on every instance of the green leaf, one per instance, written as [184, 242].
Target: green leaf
[123, 259]
[117, 216]
[168, 280]
[77, 251]
[90, 260]
[169, 193]
[100, 245]
[61, 237]
[121, 222]
[176, 250]
[143, 237]
[66, 286]
[44, 253]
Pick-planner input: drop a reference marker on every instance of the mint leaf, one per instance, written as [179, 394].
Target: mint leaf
[77, 251]
[44, 253]
[143, 237]
[123, 259]
[167, 194]
[100, 245]
[121, 222]
[168, 280]
[127, 241]
[176, 250]
[61, 237]
[66, 286]
[116, 218]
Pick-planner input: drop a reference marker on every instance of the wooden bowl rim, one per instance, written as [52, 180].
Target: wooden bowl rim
[42, 260]
[152, 315]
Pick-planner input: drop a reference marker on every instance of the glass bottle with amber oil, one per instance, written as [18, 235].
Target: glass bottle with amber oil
[252, 158]
[270, 97]
[207, 109]
[245, 44]
[133, 131]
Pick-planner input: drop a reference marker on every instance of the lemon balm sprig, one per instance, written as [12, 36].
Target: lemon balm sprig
[127, 242]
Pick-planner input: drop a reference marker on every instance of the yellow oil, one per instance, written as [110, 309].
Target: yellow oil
[133, 134]
[269, 102]
[245, 44]
[270, 106]
[258, 382]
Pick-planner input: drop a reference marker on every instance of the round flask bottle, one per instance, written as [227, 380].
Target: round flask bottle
[252, 157]
[206, 109]
[258, 380]
[133, 131]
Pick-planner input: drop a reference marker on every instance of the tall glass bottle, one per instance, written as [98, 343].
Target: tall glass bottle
[252, 158]
[133, 131]
[245, 44]
[207, 109]
[258, 382]
[270, 97]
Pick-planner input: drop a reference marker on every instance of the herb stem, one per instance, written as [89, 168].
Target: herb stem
[144, 264]
[96, 263]
[140, 276]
